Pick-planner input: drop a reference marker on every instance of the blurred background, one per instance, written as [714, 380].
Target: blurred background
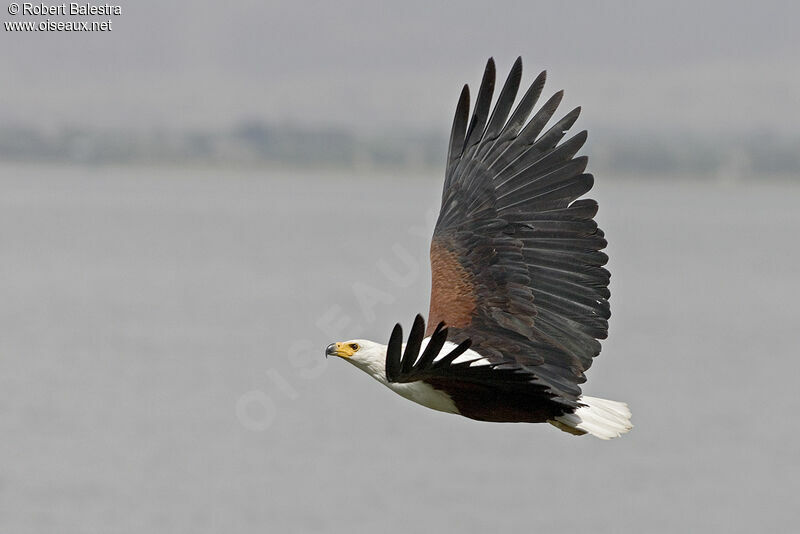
[195, 203]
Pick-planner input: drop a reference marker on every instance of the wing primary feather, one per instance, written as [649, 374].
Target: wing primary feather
[540, 119]
[504, 101]
[434, 347]
[413, 346]
[458, 132]
[447, 360]
[483, 103]
[393, 351]
[524, 107]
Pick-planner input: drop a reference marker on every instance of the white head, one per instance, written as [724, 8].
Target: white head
[367, 355]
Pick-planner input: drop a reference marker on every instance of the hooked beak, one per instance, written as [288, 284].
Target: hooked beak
[338, 349]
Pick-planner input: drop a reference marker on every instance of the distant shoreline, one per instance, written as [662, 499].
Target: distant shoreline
[260, 145]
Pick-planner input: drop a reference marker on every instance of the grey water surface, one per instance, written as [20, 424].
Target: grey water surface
[162, 369]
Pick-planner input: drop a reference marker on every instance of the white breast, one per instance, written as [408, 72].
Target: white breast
[426, 395]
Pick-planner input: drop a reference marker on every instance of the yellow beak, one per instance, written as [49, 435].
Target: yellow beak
[339, 349]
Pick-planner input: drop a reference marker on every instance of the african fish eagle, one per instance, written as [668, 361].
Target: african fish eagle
[519, 294]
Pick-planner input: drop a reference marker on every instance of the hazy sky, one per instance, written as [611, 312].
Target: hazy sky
[698, 66]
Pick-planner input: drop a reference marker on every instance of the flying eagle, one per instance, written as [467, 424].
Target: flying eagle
[519, 294]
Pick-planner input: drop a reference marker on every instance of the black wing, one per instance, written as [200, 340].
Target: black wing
[409, 366]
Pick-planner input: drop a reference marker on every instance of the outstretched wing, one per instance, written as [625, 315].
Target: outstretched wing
[516, 260]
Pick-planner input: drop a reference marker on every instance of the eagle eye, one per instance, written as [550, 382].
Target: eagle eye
[354, 346]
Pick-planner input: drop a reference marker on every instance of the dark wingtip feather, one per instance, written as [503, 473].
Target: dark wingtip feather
[459, 129]
[539, 82]
[393, 353]
[413, 345]
[525, 106]
[434, 347]
[545, 113]
[573, 116]
[581, 162]
[483, 103]
[504, 102]
[516, 68]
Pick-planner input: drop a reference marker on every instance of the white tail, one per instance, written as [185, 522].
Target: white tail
[602, 418]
